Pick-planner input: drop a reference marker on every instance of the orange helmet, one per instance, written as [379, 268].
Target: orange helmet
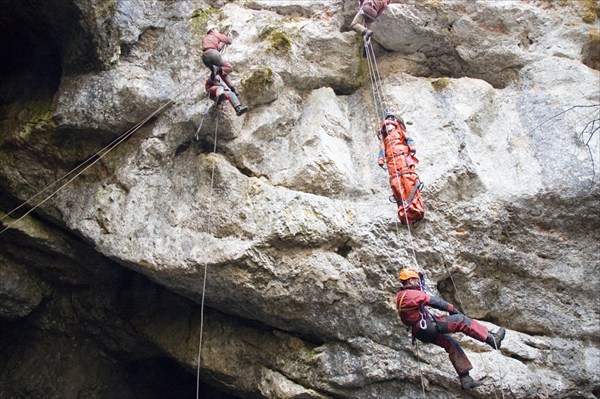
[407, 273]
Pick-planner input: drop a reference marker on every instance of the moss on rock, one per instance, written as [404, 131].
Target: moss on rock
[260, 78]
[440, 84]
[280, 41]
[201, 19]
[591, 10]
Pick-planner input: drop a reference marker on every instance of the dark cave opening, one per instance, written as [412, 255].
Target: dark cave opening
[163, 378]
[40, 41]
[31, 64]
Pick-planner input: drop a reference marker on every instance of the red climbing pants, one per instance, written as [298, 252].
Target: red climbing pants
[437, 334]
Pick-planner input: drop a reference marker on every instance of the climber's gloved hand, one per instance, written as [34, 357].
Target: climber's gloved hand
[454, 311]
[381, 158]
[235, 91]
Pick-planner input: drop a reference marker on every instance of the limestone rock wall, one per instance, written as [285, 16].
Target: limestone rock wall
[289, 219]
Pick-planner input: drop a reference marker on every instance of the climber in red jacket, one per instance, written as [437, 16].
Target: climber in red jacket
[218, 91]
[368, 12]
[412, 306]
[212, 45]
[398, 152]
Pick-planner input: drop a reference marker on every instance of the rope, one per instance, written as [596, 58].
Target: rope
[376, 81]
[405, 206]
[209, 229]
[88, 162]
[480, 355]
[197, 134]
[420, 369]
[381, 111]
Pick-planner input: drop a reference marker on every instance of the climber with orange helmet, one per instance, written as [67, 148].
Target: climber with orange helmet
[398, 154]
[212, 45]
[412, 306]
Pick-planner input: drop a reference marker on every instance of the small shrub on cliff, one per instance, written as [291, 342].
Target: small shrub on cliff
[280, 41]
[591, 10]
[440, 84]
[260, 78]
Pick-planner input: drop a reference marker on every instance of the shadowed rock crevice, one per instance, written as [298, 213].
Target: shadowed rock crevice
[41, 40]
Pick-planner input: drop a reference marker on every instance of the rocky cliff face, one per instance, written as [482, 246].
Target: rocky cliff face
[289, 219]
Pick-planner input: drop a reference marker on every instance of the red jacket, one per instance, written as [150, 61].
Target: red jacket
[215, 41]
[411, 300]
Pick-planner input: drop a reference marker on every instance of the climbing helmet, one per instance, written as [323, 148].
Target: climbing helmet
[407, 273]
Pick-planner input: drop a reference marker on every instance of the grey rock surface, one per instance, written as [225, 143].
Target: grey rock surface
[289, 219]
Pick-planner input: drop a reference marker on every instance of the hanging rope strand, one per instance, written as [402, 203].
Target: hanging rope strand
[376, 83]
[480, 355]
[209, 231]
[378, 78]
[100, 156]
[96, 157]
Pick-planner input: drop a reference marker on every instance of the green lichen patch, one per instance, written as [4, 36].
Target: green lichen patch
[257, 81]
[440, 84]
[39, 117]
[280, 41]
[362, 71]
[201, 19]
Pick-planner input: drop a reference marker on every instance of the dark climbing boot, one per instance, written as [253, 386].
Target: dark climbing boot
[495, 339]
[467, 382]
[240, 110]
[215, 70]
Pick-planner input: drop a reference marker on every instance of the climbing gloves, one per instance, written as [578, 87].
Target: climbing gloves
[495, 339]
[235, 91]
[381, 158]
[467, 382]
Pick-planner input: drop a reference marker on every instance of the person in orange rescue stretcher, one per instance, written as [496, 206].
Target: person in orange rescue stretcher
[398, 154]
